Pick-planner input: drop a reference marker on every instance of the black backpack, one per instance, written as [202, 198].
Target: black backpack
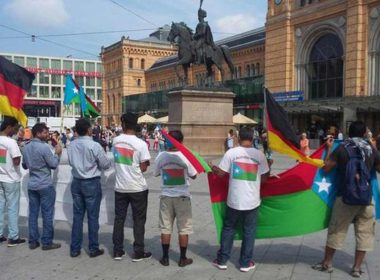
[357, 180]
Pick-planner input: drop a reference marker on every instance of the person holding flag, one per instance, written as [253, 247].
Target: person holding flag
[248, 169]
[175, 201]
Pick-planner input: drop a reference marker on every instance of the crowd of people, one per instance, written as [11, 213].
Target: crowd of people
[247, 167]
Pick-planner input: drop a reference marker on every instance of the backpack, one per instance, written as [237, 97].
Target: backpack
[357, 179]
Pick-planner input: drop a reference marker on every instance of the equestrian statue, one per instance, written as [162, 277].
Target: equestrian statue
[198, 48]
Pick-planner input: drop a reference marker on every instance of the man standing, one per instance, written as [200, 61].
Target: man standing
[343, 214]
[38, 158]
[131, 160]
[10, 176]
[87, 159]
[248, 169]
[175, 202]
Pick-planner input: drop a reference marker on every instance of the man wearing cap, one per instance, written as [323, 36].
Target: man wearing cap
[131, 160]
[203, 38]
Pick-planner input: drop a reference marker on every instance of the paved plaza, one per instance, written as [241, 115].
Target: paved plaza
[283, 258]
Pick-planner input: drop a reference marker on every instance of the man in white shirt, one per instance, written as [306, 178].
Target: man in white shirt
[248, 170]
[175, 203]
[10, 177]
[131, 160]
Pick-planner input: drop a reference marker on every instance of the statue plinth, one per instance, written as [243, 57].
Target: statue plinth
[204, 116]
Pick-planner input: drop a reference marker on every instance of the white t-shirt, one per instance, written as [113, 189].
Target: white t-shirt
[175, 170]
[245, 165]
[129, 151]
[8, 151]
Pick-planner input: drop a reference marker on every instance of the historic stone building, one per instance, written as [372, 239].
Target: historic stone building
[328, 50]
[124, 64]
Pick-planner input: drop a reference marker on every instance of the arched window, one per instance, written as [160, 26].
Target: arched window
[247, 70]
[257, 68]
[139, 82]
[130, 63]
[325, 69]
[253, 73]
[142, 64]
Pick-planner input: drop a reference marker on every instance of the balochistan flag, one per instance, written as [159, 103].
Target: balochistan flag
[15, 82]
[3, 155]
[281, 135]
[244, 171]
[173, 177]
[298, 202]
[71, 91]
[123, 155]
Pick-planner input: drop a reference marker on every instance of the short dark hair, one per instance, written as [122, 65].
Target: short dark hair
[357, 129]
[177, 135]
[8, 121]
[246, 133]
[38, 128]
[129, 121]
[82, 126]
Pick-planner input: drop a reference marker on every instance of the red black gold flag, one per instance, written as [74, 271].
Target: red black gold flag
[281, 135]
[15, 82]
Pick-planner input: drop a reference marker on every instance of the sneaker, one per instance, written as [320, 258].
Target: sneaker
[250, 267]
[217, 264]
[185, 262]
[118, 256]
[34, 245]
[96, 253]
[138, 257]
[51, 246]
[3, 239]
[15, 242]
[74, 254]
[164, 261]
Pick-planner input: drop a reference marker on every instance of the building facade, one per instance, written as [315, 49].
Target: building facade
[46, 96]
[328, 50]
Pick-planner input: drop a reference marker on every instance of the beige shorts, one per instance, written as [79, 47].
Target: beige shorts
[178, 208]
[342, 216]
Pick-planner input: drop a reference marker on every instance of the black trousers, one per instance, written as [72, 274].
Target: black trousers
[139, 204]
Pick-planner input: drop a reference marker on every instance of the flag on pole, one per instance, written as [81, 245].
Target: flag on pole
[281, 135]
[15, 82]
[71, 90]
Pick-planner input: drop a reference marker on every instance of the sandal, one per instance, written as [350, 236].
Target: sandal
[322, 267]
[356, 273]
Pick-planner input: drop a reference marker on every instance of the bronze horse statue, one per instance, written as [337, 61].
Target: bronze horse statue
[186, 52]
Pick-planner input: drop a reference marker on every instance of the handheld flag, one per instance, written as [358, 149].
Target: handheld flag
[281, 135]
[15, 82]
[199, 164]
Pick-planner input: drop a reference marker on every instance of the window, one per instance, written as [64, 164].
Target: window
[99, 82]
[325, 68]
[56, 79]
[79, 66]
[31, 62]
[109, 84]
[79, 80]
[143, 64]
[91, 93]
[44, 92]
[253, 73]
[130, 63]
[139, 82]
[257, 68]
[99, 94]
[68, 65]
[19, 60]
[76, 109]
[44, 78]
[44, 63]
[247, 71]
[32, 92]
[99, 67]
[55, 64]
[90, 66]
[56, 92]
[90, 82]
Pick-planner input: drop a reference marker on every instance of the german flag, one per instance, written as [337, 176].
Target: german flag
[15, 82]
[281, 135]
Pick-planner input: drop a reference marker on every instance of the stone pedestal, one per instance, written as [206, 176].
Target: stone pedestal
[204, 117]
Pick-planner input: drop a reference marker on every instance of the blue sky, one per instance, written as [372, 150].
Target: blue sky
[53, 17]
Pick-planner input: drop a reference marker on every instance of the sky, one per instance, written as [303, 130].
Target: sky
[45, 19]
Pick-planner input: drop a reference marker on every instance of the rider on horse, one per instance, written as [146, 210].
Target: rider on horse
[204, 43]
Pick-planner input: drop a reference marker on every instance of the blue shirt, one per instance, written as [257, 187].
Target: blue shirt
[87, 158]
[39, 159]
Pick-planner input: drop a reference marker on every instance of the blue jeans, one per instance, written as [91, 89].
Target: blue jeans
[87, 195]
[248, 219]
[10, 196]
[44, 199]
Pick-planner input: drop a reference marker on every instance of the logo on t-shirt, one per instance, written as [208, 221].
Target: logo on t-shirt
[3, 155]
[123, 155]
[244, 171]
[173, 177]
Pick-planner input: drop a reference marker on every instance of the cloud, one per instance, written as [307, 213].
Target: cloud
[238, 23]
[38, 13]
